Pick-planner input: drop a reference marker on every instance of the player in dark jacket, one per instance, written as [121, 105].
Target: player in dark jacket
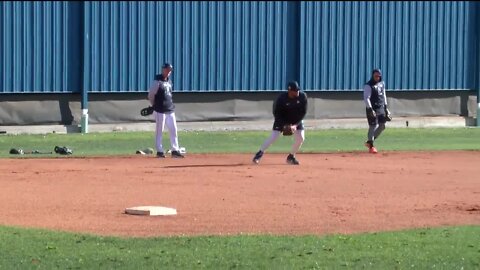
[375, 99]
[289, 110]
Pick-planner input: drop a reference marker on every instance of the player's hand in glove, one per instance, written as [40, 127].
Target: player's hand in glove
[288, 130]
[388, 115]
[146, 111]
[371, 113]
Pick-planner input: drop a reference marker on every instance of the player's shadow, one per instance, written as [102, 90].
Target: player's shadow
[205, 165]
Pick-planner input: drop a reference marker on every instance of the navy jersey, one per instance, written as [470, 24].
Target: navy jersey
[160, 94]
[288, 110]
[374, 95]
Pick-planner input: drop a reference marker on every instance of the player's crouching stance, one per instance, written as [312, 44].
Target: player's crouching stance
[289, 109]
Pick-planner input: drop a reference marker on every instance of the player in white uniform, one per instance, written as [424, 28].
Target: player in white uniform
[160, 96]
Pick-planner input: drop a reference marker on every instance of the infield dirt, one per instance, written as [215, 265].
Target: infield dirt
[220, 194]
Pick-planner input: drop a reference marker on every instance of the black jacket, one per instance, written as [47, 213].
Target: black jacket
[290, 111]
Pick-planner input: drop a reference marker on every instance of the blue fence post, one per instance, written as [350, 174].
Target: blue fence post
[476, 41]
[293, 43]
[86, 66]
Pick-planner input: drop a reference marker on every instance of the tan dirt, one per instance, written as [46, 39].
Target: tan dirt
[224, 194]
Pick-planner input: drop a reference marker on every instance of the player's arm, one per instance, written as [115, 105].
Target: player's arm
[367, 93]
[171, 85]
[279, 111]
[387, 112]
[152, 92]
[303, 111]
[385, 93]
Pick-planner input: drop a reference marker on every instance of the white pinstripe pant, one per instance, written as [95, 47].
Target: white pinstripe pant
[168, 119]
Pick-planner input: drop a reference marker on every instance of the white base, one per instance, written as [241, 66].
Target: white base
[151, 211]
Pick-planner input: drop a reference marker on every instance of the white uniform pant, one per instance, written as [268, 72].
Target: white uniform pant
[299, 138]
[169, 120]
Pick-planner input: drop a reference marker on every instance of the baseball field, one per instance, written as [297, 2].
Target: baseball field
[414, 205]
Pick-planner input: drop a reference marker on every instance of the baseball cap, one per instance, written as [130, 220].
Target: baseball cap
[377, 70]
[167, 65]
[293, 85]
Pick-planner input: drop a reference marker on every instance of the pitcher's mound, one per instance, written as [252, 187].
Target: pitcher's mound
[151, 211]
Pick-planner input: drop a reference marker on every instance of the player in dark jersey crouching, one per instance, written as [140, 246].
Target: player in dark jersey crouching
[289, 109]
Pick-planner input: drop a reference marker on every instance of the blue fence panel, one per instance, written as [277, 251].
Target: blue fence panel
[39, 47]
[57, 47]
[418, 45]
[473, 54]
[213, 46]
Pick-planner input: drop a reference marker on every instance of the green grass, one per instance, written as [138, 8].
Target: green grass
[332, 140]
[440, 248]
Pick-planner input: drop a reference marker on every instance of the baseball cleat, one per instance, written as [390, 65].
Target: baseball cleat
[160, 155]
[368, 144]
[371, 148]
[292, 160]
[257, 157]
[177, 154]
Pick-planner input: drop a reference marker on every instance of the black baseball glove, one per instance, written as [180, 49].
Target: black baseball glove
[15, 151]
[63, 150]
[146, 111]
[288, 130]
[388, 115]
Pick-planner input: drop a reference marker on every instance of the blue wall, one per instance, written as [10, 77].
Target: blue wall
[418, 45]
[474, 44]
[40, 49]
[212, 45]
[241, 46]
